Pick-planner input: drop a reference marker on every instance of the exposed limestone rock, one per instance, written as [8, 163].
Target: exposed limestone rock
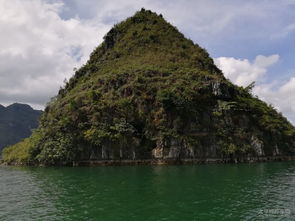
[257, 145]
[276, 151]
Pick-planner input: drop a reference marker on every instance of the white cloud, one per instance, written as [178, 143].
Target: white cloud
[242, 71]
[38, 49]
[282, 97]
[284, 32]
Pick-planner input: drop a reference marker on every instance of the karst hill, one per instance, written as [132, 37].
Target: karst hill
[149, 94]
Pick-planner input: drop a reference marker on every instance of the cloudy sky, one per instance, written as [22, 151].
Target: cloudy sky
[41, 41]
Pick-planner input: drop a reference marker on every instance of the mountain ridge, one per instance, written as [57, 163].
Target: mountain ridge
[16, 123]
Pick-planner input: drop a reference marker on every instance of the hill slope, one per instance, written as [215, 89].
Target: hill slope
[147, 92]
[16, 123]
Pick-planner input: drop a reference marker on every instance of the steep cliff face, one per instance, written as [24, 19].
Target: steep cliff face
[147, 92]
[17, 122]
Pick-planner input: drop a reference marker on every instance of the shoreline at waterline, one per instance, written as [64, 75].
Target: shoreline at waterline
[129, 162]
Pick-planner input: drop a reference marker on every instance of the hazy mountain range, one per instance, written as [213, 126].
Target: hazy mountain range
[17, 122]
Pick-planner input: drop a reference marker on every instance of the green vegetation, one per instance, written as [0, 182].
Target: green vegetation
[147, 86]
[22, 152]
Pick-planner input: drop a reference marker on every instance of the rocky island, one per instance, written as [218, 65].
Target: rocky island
[150, 95]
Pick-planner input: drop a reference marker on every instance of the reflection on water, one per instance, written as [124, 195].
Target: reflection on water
[207, 192]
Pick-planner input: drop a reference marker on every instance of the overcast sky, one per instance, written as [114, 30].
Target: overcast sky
[41, 41]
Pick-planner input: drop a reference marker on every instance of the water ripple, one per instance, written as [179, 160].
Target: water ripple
[207, 192]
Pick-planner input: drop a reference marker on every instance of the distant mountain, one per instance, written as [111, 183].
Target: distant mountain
[17, 122]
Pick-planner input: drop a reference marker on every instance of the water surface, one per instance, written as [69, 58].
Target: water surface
[262, 191]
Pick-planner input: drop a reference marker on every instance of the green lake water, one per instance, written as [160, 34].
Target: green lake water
[262, 191]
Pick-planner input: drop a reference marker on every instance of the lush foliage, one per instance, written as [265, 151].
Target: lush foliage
[146, 86]
[22, 152]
